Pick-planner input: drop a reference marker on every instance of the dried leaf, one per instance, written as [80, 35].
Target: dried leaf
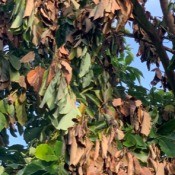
[130, 164]
[52, 71]
[146, 124]
[160, 169]
[22, 82]
[68, 71]
[153, 154]
[125, 110]
[63, 50]
[75, 4]
[73, 151]
[97, 148]
[145, 171]
[98, 11]
[125, 13]
[112, 6]
[104, 146]
[34, 77]
[96, 1]
[158, 73]
[138, 103]
[117, 102]
[120, 134]
[29, 57]
[29, 8]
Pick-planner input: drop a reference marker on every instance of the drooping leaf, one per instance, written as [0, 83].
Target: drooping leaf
[34, 77]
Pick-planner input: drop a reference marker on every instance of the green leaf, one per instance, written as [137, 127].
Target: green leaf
[32, 168]
[14, 75]
[32, 133]
[134, 140]
[66, 121]
[129, 58]
[2, 107]
[2, 121]
[94, 99]
[87, 79]
[85, 65]
[49, 97]
[142, 156]
[58, 148]
[167, 146]
[45, 152]
[21, 114]
[43, 86]
[2, 169]
[167, 128]
[15, 62]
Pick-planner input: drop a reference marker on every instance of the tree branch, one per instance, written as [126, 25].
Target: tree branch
[168, 17]
[140, 17]
[130, 35]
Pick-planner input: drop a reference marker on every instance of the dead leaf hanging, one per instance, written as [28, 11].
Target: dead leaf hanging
[34, 78]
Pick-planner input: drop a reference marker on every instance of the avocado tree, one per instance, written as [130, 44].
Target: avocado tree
[67, 85]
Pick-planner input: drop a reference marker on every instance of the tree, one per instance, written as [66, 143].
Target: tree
[67, 85]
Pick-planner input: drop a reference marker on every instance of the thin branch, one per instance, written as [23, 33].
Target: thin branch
[140, 17]
[130, 35]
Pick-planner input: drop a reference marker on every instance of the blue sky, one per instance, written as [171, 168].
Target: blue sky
[154, 7]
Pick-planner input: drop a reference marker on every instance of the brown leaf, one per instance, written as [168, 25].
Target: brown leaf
[125, 110]
[80, 152]
[34, 77]
[98, 11]
[140, 113]
[88, 24]
[29, 8]
[63, 50]
[22, 82]
[153, 153]
[52, 71]
[96, 1]
[138, 103]
[4, 85]
[104, 146]
[120, 134]
[146, 124]
[73, 151]
[97, 148]
[125, 13]
[117, 102]
[137, 167]
[68, 71]
[130, 164]
[145, 171]
[112, 6]
[160, 169]
[158, 73]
